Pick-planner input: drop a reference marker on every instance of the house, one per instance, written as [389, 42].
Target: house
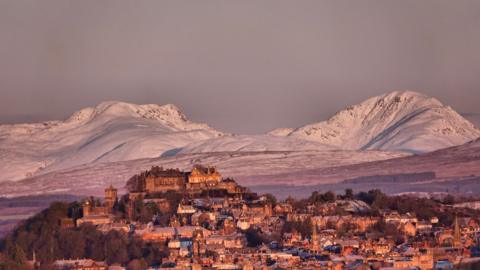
[409, 229]
[161, 234]
[186, 209]
[235, 241]
[80, 264]
[95, 220]
[424, 226]
[283, 209]
[201, 174]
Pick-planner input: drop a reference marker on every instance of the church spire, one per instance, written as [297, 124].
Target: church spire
[456, 234]
[314, 236]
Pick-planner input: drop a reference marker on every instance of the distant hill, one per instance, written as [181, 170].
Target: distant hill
[297, 173]
[398, 121]
[402, 121]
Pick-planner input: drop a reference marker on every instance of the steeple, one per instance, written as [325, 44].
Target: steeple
[456, 234]
[314, 237]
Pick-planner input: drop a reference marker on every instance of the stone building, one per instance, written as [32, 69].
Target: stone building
[193, 183]
[160, 180]
[110, 197]
[201, 174]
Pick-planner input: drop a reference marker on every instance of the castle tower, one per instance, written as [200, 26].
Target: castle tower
[86, 207]
[110, 197]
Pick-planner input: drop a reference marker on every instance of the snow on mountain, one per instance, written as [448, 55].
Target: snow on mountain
[92, 178]
[112, 131]
[253, 143]
[398, 121]
[117, 131]
[280, 131]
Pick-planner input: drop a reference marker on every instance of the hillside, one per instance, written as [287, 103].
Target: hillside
[92, 178]
[455, 169]
[253, 143]
[398, 121]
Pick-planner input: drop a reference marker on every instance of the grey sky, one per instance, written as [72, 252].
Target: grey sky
[241, 66]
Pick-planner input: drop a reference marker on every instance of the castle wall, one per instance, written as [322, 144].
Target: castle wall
[162, 184]
[199, 176]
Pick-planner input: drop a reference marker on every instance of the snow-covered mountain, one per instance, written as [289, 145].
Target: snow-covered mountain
[112, 131]
[398, 121]
[117, 131]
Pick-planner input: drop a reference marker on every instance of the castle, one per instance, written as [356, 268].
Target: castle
[199, 179]
[160, 180]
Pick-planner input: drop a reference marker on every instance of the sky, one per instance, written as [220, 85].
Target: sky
[240, 66]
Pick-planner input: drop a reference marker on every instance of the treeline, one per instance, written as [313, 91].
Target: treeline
[43, 235]
[146, 212]
[423, 208]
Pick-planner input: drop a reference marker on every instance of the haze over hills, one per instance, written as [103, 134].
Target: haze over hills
[398, 123]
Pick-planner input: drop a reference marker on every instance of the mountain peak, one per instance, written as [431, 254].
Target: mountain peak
[168, 112]
[409, 96]
[400, 120]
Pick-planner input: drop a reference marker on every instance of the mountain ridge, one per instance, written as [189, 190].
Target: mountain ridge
[118, 131]
[397, 121]
[111, 131]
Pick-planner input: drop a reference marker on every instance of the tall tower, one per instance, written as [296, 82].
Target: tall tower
[86, 207]
[110, 197]
[198, 244]
[314, 237]
[457, 234]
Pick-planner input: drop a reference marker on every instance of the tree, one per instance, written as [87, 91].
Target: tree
[19, 257]
[348, 194]
[302, 227]
[270, 199]
[116, 248]
[75, 210]
[329, 196]
[94, 242]
[449, 199]
[254, 238]
[347, 228]
[135, 248]
[72, 244]
[136, 264]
